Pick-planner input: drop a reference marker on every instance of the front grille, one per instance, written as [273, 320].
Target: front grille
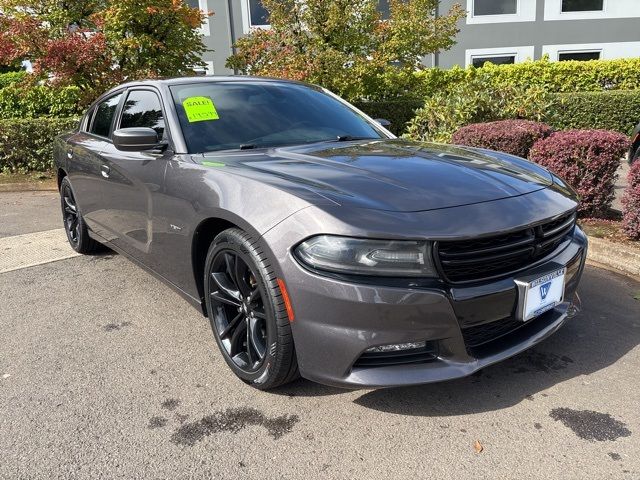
[400, 357]
[501, 255]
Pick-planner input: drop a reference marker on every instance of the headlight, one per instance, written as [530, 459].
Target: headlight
[367, 257]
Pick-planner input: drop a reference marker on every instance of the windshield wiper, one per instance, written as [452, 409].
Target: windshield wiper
[351, 138]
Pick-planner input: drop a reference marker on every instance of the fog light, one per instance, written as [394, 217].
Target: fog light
[397, 347]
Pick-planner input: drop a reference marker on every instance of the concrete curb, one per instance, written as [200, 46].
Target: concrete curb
[617, 256]
[28, 187]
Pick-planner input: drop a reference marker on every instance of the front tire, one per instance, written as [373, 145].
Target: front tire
[74, 225]
[247, 313]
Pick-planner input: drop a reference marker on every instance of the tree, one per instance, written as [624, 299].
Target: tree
[95, 44]
[346, 45]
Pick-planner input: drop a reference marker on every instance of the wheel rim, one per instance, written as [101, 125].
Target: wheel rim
[239, 316]
[71, 215]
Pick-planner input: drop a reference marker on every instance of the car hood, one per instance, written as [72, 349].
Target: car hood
[395, 175]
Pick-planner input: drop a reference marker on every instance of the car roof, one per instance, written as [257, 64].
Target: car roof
[204, 79]
[158, 82]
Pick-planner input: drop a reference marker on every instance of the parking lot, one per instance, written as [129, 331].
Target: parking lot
[107, 373]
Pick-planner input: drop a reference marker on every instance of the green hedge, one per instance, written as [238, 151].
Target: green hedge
[18, 101]
[10, 78]
[27, 144]
[618, 111]
[398, 112]
[552, 77]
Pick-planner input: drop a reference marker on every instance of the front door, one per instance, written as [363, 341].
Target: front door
[135, 179]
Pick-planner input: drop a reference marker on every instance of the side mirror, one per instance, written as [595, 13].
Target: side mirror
[136, 139]
[383, 122]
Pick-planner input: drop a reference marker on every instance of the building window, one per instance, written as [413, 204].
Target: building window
[495, 59]
[582, 6]
[580, 56]
[477, 57]
[495, 7]
[258, 14]
[383, 8]
[202, 5]
[592, 51]
[500, 11]
[590, 9]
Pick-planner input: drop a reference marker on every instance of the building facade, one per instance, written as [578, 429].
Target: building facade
[229, 20]
[512, 31]
[499, 31]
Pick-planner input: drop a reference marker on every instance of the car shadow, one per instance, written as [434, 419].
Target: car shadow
[606, 329]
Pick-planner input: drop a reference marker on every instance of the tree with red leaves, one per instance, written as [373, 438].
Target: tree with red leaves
[96, 44]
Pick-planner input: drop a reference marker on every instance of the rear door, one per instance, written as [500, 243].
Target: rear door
[135, 179]
[84, 162]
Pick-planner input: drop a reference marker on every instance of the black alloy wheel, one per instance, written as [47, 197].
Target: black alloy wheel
[70, 215]
[247, 313]
[74, 225]
[239, 317]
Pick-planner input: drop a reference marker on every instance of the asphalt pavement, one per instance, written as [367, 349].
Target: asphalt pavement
[106, 373]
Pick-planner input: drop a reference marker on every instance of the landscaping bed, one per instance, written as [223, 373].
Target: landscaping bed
[14, 182]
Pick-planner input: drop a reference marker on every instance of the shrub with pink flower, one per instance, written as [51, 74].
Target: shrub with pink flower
[631, 204]
[588, 161]
[512, 136]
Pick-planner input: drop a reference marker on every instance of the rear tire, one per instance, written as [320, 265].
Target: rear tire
[74, 225]
[247, 313]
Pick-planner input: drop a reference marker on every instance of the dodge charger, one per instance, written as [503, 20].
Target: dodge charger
[317, 243]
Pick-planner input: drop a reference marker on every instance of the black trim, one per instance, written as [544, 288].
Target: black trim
[426, 354]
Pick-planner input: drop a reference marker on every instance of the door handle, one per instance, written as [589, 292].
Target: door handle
[105, 170]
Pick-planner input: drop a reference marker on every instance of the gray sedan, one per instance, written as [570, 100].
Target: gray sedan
[317, 243]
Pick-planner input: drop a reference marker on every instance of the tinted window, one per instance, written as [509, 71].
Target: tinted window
[259, 14]
[262, 114]
[495, 7]
[582, 5]
[89, 118]
[143, 109]
[104, 116]
[500, 60]
[580, 56]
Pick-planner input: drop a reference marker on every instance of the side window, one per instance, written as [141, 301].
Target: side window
[104, 116]
[143, 109]
[87, 121]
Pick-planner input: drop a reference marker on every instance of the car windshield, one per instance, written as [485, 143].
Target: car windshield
[255, 114]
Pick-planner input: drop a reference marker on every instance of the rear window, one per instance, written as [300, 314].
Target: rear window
[231, 115]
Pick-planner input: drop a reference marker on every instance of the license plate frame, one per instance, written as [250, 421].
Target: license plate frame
[531, 289]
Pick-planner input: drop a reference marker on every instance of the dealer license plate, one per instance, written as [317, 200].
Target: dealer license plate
[541, 294]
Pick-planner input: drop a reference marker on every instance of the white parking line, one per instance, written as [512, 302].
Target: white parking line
[31, 249]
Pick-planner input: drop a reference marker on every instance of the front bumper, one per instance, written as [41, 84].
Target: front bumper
[337, 321]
